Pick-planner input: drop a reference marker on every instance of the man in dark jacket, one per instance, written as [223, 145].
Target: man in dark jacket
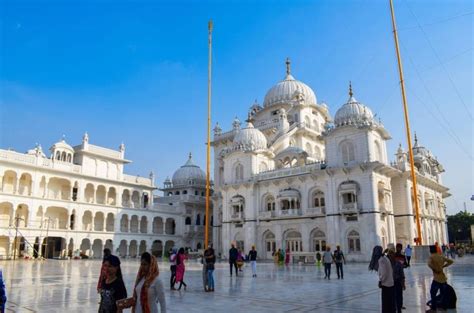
[233, 253]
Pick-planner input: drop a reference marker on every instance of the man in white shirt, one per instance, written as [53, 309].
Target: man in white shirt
[386, 282]
[327, 260]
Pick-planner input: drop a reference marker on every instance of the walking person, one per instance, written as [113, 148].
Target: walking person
[318, 259]
[399, 276]
[408, 252]
[240, 260]
[233, 254]
[339, 260]
[209, 261]
[287, 256]
[3, 294]
[103, 272]
[276, 256]
[180, 268]
[281, 257]
[386, 281]
[112, 287]
[173, 256]
[253, 261]
[149, 290]
[327, 260]
[437, 263]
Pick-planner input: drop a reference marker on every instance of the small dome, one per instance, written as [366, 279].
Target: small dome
[420, 152]
[250, 139]
[189, 174]
[353, 113]
[288, 90]
[63, 145]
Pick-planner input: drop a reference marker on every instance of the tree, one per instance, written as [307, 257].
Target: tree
[459, 226]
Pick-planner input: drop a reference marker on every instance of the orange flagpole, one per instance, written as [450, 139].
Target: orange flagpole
[407, 127]
[208, 156]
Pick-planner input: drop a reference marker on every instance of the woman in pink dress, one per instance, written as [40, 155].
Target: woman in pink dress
[180, 268]
[287, 257]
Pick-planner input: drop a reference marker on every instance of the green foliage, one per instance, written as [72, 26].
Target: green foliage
[459, 226]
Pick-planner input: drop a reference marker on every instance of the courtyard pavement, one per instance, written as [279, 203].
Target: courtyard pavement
[70, 286]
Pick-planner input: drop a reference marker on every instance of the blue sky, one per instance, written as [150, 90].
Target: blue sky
[137, 72]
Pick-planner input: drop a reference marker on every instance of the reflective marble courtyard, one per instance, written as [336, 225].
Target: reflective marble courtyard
[70, 286]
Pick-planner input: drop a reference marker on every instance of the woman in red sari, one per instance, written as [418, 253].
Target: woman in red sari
[180, 268]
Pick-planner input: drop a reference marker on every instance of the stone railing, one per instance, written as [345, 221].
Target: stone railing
[137, 180]
[319, 210]
[349, 208]
[238, 216]
[290, 212]
[291, 171]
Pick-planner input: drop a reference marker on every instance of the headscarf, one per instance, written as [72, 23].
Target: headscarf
[374, 261]
[149, 277]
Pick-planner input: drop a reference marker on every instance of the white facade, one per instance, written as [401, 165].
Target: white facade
[294, 178]
[82, 201]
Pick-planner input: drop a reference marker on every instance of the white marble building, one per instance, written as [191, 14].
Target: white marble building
[295, 178]
[81, 200]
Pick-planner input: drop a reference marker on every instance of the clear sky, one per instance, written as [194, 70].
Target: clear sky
[136, 71]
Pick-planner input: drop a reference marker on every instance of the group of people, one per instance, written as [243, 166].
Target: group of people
[177, 268]
[237, 258]
[281, 256]
[147, 292]
[390, 264]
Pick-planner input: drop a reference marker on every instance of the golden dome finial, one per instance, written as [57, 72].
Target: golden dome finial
[288, 66]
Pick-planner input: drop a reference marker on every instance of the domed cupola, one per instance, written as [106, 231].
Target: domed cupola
[249, 139]
[289, 90]
[353, 113]
[420, 152]
[189, 174]
[62, 151]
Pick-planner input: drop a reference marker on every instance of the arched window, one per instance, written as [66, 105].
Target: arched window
[353, 241]
[317, 153]
[308, 149]
[319, 240]
[307, 122]
[262, 167]
[269, 203]
[198, 219]
[239, 172]
[347, 152]
[318, 200]
[187, 221]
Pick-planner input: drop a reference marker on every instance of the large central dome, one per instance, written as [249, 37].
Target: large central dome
[189, 174]
[288, 90]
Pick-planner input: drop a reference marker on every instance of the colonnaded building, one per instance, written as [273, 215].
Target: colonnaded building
[79, 201]
[295, 178]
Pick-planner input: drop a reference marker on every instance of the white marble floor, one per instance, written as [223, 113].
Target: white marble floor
[69, 286]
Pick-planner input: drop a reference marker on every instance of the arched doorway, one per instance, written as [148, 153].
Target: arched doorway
[132, 249]
[97, 249]
[53, 247]
[269, 244]
[318, 238]
[157, 248]
[142, 248]
[293, 241]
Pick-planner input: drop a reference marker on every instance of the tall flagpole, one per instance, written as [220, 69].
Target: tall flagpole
[407, 127]
[208, 159]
